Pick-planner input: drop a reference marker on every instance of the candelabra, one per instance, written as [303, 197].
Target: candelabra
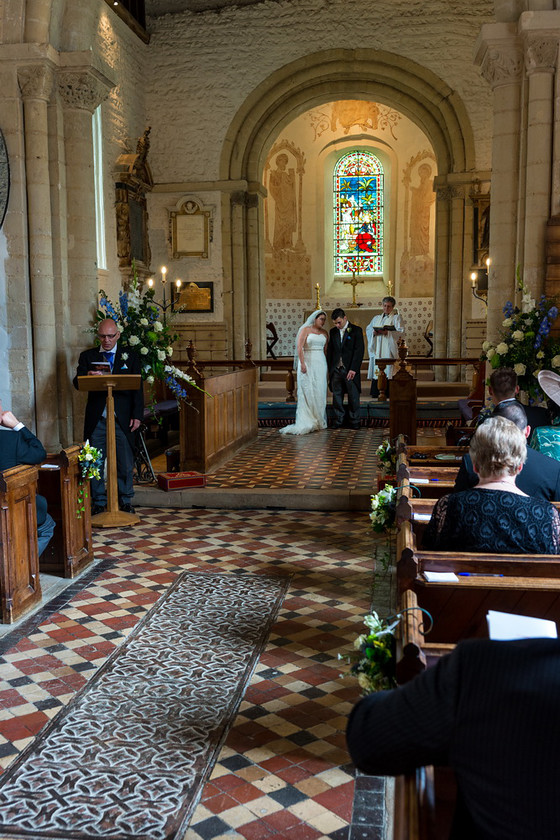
[164, 304]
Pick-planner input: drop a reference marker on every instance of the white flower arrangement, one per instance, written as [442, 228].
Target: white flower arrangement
[133, 340]
[144, 322]
[158, 326]
[161, 354]
[502, 348]
[143, 351]
[518, 335]
[520, 369]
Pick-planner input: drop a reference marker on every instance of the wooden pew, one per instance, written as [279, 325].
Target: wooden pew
[431, 482]
[71, 548]
[20, 586]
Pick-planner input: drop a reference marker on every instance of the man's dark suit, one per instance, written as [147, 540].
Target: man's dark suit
[489, 710]
[22, 447]
[351, 353]
[540, 476]
[129, 405]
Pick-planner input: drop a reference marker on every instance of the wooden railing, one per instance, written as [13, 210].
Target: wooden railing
[415, 362]
[197, 367]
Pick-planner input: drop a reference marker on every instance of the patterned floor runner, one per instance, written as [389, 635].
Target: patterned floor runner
[128, 757]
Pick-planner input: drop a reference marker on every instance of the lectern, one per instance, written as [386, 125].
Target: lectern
[112, 517]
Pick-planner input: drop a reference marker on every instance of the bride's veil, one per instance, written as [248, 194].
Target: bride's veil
[309, 323]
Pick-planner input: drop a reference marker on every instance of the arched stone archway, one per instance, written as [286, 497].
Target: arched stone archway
[311, 81]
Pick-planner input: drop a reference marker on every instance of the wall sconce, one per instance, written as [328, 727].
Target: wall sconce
[479, 282]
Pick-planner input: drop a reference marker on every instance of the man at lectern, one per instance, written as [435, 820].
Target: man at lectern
[129, 412]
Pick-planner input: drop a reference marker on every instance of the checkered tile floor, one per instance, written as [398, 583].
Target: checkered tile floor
[333, 459]
[283, 771]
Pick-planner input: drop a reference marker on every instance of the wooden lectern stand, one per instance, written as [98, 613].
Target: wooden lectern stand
[112, 517]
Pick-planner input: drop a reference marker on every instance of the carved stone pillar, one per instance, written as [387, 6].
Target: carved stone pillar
[238, 272]
[36, 84]
[450, 271]
[443, 225]
[540, 61]
[501, 62]
[81, 90]
[256, 292]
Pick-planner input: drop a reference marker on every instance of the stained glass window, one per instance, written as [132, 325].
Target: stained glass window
[358, 214]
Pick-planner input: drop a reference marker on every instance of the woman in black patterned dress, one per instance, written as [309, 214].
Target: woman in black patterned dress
[495, 517]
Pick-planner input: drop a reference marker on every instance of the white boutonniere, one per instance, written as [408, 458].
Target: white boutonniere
[348, 330]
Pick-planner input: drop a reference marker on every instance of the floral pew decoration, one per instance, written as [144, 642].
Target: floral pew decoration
[138, 321]
[373, 659]
[525, 343]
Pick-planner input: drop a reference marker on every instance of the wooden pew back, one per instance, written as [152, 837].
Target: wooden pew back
[20, 586]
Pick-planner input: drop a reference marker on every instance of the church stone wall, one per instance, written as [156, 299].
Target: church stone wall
[203, 67]
[123, 116]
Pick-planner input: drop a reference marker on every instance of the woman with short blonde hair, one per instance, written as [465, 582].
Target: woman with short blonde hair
[498, 447]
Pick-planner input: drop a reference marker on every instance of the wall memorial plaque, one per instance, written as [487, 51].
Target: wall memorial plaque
[194, 297]
[190, 231]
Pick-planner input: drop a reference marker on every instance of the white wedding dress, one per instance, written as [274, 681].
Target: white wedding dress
[311, 411]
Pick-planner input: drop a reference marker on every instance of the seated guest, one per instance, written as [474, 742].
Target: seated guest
[20, 446]
[503, 388]
[488, 710]
[540, 475]
[495, 516]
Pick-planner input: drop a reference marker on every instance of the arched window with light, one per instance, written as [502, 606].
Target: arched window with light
[358, 214]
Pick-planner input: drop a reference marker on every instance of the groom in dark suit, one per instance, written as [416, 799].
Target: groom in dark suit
[129, 413]
[345, 353]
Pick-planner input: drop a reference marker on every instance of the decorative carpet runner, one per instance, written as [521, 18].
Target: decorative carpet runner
[128, 757]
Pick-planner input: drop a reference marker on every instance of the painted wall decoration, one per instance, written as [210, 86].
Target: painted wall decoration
[347, 114]
[417, 262]
[288, 266]
[4, 178]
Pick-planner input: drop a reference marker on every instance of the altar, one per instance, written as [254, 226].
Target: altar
[356, 315]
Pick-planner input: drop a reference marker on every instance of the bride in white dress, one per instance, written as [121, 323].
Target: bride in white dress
[311, 349]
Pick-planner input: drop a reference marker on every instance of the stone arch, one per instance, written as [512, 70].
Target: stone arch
[295, 88]
[345, 74]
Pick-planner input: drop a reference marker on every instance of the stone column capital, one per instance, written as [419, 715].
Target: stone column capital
[83, 88]
[35, 81]
[448, 192]
[541, 51]
[502, 64]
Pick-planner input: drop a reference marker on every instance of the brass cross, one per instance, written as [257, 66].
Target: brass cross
[353, 282]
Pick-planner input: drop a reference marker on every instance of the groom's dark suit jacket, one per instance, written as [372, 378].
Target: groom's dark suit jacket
[129, 405]
[23, 448]
[351, 350]
[540, 476]
[489, 710]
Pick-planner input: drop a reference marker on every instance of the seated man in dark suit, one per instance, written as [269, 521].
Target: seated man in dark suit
[129, 412]
[503, 388]
[540, 476]
[488, 710]
[20, 446]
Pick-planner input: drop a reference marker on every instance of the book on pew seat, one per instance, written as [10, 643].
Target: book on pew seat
[506, 626]
[179, 480]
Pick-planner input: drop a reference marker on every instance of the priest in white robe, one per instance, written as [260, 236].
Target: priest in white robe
[383, 333]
